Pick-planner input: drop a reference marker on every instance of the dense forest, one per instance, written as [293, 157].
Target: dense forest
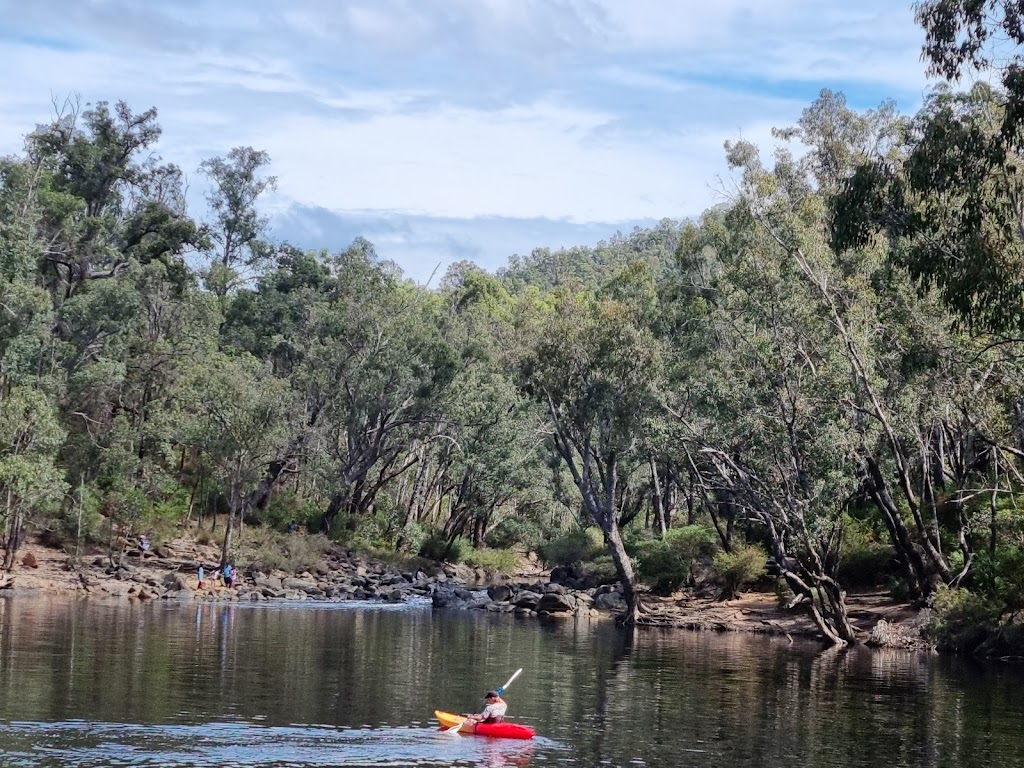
[823, 374]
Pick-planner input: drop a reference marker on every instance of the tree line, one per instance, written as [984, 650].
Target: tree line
[828, 357]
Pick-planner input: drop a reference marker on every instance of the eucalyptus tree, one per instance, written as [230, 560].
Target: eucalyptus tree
[489, 447]
[236, 417]
[30, 431]
[373, 364]
[238, 232]
[767, 428]
[104, 202]
[594, 368]
[948, 201]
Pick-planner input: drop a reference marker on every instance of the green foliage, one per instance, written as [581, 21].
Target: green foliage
[285, 508]
[666, 564]
[734, 570]
[1000, 579]
[493, 560]
[435, 545]
[265, 549]
[960, 620]
[863, 560]
[601, 569]
[570, 548]
[515, 533]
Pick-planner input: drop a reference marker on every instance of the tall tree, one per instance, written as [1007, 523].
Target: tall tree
[238, 230]
[593, 367]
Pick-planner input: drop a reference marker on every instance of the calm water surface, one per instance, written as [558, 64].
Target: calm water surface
[89, 684]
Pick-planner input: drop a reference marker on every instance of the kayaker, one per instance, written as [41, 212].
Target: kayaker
[494, 712]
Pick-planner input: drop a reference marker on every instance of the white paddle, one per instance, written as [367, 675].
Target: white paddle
[462, 722]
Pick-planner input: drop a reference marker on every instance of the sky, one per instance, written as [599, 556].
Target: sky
[443, 130]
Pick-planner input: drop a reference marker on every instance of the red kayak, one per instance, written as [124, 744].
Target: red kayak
[494, 730]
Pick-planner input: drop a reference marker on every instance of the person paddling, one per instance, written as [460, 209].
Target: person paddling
[493, 712]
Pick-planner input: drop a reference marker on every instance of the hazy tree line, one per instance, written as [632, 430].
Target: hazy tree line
[824, 366]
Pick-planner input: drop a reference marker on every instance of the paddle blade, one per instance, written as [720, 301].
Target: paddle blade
[514, 676]
[455, 728]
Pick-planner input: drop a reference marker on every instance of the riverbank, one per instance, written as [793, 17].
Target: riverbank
[170, 572]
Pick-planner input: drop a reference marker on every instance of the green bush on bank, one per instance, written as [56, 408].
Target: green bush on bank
[575, 547]
[961, 620]
[735, 570]
[264, 549]
[495, 560]
[666, 564]
[515, 533]
[864, 560]
[435, 544]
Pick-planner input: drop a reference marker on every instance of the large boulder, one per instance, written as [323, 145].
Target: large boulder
[552, 602]
[499, 593]
[526, 599]
[610, 601]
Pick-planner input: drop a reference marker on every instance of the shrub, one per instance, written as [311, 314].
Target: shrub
[960, 620]
[864, 561]
[666, 564]
[570, 548]
[264, 549]
[738, 568]
[501, 560]
[601, 569]
[434, 545]
[514, 532]
[287, 507]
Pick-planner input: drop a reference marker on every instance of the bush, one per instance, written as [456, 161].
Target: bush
[570, 548]
[266, 550]
[601, 569]
[514, 532]
[434, 545]
[864, 560]
[502, 560]
[736, 569]
[960, 620]
[667, 564]
[287, 507]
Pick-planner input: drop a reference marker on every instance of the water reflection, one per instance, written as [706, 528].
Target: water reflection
[86, 684]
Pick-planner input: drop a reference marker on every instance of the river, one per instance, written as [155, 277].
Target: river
[88, 684]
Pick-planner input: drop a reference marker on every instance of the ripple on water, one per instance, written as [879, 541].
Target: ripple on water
[83, 744]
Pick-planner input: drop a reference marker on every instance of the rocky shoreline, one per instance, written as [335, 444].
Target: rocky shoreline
[171, 573]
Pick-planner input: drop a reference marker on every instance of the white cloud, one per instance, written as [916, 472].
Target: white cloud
[577, 110]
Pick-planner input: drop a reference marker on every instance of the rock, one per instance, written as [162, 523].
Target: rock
[499, 593]
[179, 594]
[552, 602]
[272, 593]
[180, 584]
[526, 599]
[269, 582]
[444, 598]
[29, 560]
[556, 589]
[609, 601]
[395, 596]
[301, 585]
